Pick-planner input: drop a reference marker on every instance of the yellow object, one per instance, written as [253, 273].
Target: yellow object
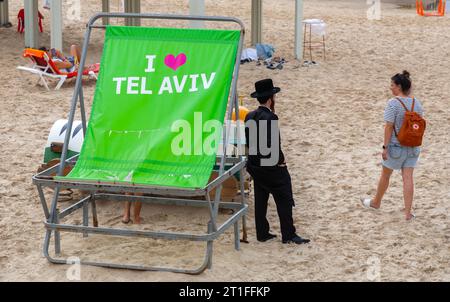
[243, 111]
[241, 100]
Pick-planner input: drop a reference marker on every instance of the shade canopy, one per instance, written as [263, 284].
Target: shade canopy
[196, 7]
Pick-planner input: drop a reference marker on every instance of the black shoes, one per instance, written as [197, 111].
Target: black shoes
[297, 240]
[267, 237]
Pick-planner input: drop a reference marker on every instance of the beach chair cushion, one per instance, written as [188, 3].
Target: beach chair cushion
[36, 56]
[159, 103]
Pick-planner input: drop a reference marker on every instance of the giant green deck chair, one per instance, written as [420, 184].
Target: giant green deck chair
[156, 122]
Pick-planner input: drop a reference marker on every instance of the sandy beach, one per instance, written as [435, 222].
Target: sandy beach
[331, 130]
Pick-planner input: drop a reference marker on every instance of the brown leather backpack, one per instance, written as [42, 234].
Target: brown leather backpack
[413, 127]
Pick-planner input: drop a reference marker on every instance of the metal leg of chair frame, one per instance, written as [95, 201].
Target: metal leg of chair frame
[209, 246]
[210, 228]
[52, 218]
[324, 57]
[43, 202]
[215, 207]
[244, 222]
[85, 217]
[57, 236]
[211, 213]
[310, 42]
[304, 40]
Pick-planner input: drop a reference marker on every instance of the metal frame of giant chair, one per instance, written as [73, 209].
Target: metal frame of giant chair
[114, 191]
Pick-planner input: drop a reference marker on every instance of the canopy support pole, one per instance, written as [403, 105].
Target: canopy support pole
[196, 8]
[56, 24]
[256, 36]
[105, 9]
[31, 23]
[132, 6]
[4, 14]
[298, 29]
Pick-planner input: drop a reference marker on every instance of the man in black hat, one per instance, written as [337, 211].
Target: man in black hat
[267, 166]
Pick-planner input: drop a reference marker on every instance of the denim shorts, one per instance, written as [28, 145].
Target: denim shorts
[401, 157]
[71, 59]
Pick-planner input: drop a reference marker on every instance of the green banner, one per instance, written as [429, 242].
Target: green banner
[160, 97]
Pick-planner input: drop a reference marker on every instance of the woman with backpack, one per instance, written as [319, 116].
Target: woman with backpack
[403, 134]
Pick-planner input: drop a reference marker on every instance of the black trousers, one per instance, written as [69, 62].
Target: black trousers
[275, 181]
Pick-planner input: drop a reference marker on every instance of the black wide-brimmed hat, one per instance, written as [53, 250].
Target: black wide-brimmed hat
[264, 88]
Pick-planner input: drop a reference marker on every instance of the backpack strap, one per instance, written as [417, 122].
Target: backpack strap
[395, 131]
[403, 104]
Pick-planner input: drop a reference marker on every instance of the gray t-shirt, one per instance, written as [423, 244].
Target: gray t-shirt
[395, 113]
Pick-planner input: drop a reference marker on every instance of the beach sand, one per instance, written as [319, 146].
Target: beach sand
[332, 131]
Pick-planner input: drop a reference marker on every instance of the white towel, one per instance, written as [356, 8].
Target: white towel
[318, 26]
[249, 53]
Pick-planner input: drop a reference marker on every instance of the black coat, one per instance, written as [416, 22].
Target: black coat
[262, 114]
[274, 179]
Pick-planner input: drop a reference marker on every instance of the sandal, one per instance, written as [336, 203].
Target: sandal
[367, 203]
[310, 63]
[413, 216]
[275, 66]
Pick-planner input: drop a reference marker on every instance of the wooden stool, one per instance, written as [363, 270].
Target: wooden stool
[317, 27]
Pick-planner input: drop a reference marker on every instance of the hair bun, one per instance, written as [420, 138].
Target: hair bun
[406, 74]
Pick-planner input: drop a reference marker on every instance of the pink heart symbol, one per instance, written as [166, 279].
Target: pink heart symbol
[173, 62]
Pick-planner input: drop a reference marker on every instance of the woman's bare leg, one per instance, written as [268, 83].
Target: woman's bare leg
[383, 185]
[137, 209]
[126, 212]
[137, 212]
[75, 51]
[408, 190]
